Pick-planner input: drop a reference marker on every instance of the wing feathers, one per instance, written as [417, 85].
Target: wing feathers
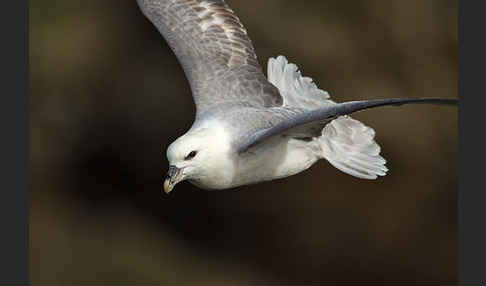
[214, 50]
[327, 113]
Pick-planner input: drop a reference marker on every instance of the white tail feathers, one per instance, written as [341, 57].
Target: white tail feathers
[296, 90]
[349, 145]
[346, 143]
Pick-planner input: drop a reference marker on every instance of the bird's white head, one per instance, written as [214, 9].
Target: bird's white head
[200, 156]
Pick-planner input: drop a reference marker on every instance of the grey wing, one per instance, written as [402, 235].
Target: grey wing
[214, 50]
[306, 121]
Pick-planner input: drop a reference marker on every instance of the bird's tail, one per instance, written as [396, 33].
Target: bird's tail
[346, 143]
[297, 90]
[349, 146]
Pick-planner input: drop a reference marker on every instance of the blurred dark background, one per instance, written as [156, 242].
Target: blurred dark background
[108, 96]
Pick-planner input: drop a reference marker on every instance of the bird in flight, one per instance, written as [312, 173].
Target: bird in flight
[250, 128]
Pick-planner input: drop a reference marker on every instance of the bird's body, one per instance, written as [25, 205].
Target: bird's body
[223, 167]
[276, 158]
[250, 127]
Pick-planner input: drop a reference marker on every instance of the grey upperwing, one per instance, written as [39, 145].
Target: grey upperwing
[326, 114]
[214, 51]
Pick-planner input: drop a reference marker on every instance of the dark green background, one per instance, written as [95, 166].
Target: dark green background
[108, 97]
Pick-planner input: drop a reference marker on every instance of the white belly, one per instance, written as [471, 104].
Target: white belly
[275, 159]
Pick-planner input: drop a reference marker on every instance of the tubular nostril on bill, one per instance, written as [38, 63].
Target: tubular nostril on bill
[173, 170]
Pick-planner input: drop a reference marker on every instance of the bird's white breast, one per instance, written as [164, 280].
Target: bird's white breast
[275, 158]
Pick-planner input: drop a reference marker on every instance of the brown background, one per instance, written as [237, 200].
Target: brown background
[108, 96]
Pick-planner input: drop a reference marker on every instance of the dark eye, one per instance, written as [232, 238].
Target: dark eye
[191, 155]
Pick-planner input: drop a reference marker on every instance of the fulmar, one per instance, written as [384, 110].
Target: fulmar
[250, 128]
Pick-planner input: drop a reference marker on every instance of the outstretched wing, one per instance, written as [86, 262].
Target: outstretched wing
[328, 113]
[214, 50]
